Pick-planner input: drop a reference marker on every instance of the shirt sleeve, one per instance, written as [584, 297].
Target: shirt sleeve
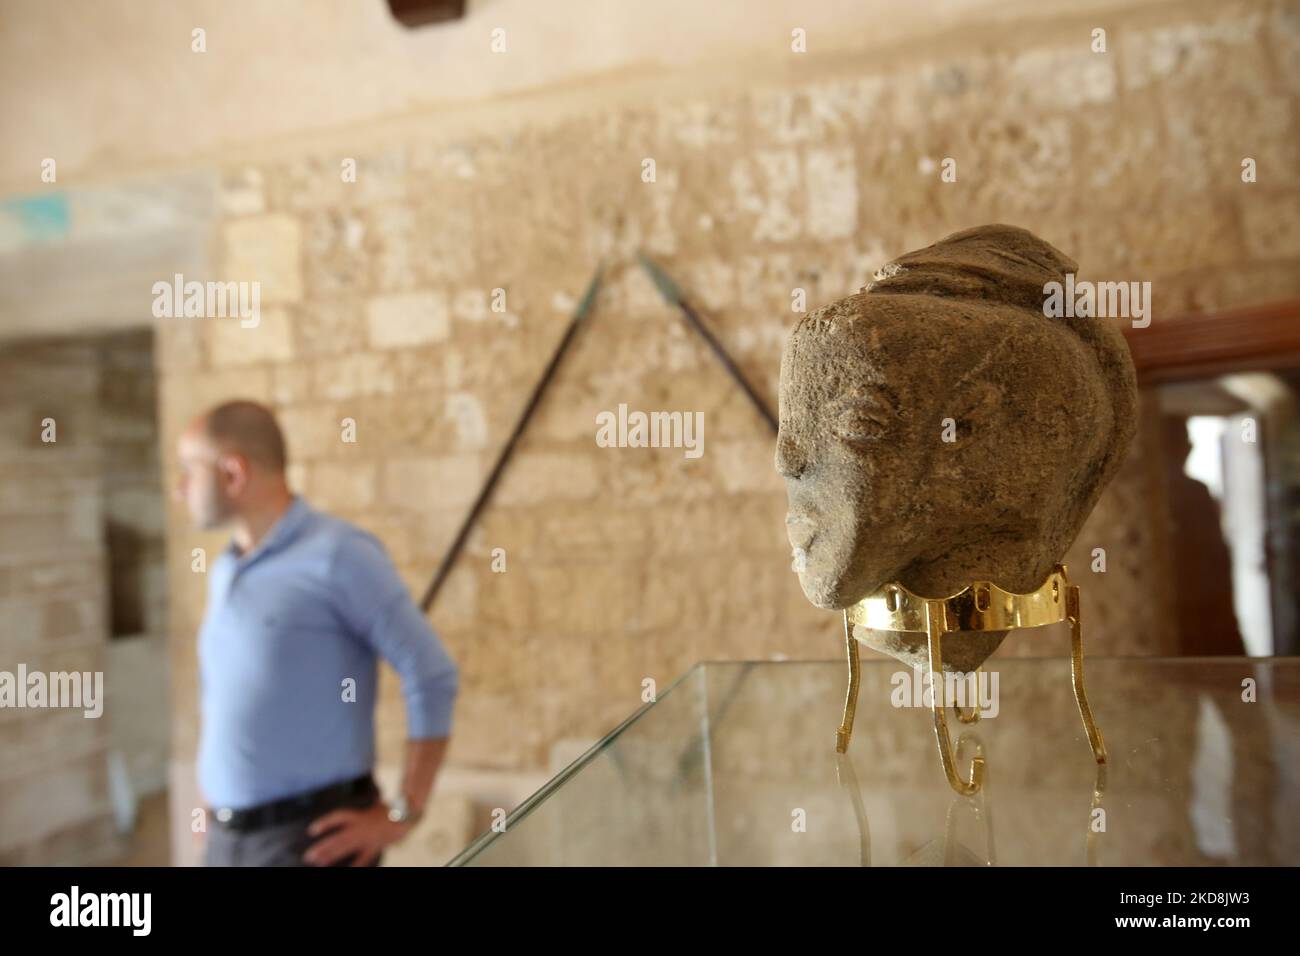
[375, 605]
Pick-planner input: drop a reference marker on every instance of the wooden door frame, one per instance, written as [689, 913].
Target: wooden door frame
[1253, 339]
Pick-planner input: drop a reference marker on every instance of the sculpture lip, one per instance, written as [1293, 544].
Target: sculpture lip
[799, 528]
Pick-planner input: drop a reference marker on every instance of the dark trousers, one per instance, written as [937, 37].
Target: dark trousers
[280, 844]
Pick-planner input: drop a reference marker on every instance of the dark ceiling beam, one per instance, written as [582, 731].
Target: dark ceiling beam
[419, 13]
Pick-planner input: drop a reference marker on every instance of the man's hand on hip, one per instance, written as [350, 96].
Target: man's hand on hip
[362, 834]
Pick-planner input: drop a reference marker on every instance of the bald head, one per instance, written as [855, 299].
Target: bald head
[231, 465]
[249, 429]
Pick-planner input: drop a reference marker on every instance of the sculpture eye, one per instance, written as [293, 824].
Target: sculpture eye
[861, 421]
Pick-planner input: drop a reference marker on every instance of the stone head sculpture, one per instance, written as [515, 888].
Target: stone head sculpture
[937, 428]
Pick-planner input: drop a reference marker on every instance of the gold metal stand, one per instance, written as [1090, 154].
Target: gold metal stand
[851, 697]
[978, 807]
[983, 606]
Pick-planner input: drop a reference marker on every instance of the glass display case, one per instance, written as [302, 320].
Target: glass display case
[735, 765]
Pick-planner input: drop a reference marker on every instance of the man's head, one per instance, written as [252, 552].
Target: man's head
[232, 460]
[937, 428]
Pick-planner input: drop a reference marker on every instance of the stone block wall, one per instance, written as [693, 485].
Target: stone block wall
[82, 588]
[624, 564]
[55, 805]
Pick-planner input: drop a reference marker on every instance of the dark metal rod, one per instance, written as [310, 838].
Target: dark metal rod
[668, 289]
[450, 558]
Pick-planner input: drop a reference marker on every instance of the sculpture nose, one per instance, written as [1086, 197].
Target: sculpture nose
[790, 459]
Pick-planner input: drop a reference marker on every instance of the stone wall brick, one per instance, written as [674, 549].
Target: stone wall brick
[1060, 78]
[1271, 225]
[268, 250]
[417, 483]
[540, 476]
[315, 431]
[336, 253]
[330, 326]
[400, 320]
[362, 373]
[64, 795]
[832, 185]
[340, 484]
[231, 342]
[292, 384]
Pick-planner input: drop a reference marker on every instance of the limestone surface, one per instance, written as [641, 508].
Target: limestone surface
[937, 428]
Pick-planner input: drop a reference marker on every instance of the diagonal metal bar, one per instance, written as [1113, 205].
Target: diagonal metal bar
[673, 295]
[584, 307]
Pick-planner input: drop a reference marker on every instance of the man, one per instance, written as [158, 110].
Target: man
[300, 607]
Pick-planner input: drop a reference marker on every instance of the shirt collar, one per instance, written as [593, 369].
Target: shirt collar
[277, 535]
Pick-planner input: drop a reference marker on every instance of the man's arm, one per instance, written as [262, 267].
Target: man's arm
[374, 603]
[401, 635]
[423, 758]
[376, 606]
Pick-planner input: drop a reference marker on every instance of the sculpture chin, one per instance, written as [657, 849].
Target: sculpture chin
[828, 593]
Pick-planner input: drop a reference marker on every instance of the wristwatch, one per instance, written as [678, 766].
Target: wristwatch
[399, 811]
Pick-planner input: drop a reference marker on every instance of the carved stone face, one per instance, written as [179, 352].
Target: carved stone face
[947, 432]
[851, 444]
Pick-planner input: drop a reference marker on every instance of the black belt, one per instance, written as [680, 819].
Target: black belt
[298, 807]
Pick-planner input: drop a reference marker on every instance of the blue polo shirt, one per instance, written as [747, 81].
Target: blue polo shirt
[288, 660]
